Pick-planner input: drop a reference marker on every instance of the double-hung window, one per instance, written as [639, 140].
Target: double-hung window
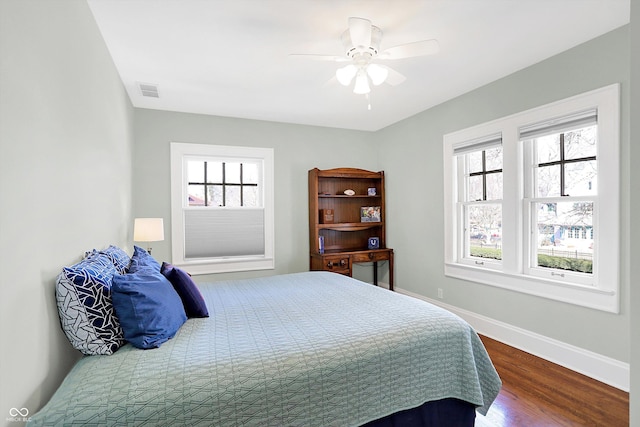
[532, 201]
[222, 207]
[480, 163]
[561, 193]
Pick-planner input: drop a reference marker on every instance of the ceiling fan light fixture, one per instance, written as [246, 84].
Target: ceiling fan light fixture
[362, 84]
[346, 74]
[377, 73]
[361, 41]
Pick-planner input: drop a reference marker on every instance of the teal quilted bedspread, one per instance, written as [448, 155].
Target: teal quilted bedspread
[305, 349]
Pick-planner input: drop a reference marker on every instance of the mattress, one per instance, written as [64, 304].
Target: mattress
[305, 349]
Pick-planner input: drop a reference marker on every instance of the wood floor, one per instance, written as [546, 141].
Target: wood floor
[538, 393]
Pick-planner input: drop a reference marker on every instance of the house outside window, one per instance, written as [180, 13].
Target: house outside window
[557, 231]
[217, 182]
[222, 208]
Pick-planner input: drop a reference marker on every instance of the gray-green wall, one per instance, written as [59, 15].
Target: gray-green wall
[412, 153]
[66, 133]
[71, 179]
[296, 150]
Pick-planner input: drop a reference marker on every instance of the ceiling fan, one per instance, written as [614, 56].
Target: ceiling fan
[362, 47]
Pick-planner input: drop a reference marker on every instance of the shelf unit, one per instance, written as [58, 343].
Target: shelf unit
[346, 238]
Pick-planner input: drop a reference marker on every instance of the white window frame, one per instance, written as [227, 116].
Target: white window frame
[460, 149]
[180, 153]
[602, 290]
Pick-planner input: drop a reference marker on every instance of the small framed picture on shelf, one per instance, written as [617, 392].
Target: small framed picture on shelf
[370, 214]
[371, 191]
[326, 216]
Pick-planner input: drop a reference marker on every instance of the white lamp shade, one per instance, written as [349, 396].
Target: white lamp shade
[362, 84]
[148, 230]
[377, 73]
[346, 74]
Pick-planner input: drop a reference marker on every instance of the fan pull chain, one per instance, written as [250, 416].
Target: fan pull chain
[368, 102]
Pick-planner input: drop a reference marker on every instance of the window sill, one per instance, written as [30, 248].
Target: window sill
[226, 265]
[587, 296]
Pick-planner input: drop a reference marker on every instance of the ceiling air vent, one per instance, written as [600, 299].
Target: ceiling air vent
[149, 90]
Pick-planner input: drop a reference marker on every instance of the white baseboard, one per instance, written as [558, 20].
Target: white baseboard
[383, 285]
[602, 368]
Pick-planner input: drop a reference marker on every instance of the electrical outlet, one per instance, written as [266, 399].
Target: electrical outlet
[440, 293]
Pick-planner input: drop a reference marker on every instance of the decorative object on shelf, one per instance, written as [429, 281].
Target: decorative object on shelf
[148, 230]
[349, 192]
[374, 243]
[371, 191]
[370, 214]
[321, 244]
[326, 216]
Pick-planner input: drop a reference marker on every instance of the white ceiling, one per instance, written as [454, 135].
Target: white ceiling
[231, 57]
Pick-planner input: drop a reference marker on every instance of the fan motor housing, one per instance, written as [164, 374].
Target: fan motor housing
[372, 49]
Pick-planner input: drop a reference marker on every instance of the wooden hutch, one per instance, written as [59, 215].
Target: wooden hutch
[347, 221]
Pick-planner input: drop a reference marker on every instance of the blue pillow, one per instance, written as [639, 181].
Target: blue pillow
[141, 260]
[149, 309]
[190, 295]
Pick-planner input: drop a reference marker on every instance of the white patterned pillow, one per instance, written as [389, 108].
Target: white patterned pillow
[83, 295]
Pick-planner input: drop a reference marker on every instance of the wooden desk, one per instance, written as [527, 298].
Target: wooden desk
[342, 262]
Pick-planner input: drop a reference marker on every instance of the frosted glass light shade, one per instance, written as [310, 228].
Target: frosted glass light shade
[148, 230]
[377, 73]
[346, 74]
[362, 84]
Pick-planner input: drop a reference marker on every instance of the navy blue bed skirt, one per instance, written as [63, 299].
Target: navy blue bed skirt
[438, 413]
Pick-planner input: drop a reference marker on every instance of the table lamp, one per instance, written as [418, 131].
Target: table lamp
[148, 230]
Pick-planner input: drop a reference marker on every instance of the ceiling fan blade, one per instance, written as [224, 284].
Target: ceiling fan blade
[331, 82]
[313, 57]
[409, 50]
[394, 78]
[360, 32]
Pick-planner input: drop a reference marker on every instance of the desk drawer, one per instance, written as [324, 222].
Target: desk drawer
[370, 256]
[337, 264]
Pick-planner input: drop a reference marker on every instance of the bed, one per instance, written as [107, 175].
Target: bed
[303, 349]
